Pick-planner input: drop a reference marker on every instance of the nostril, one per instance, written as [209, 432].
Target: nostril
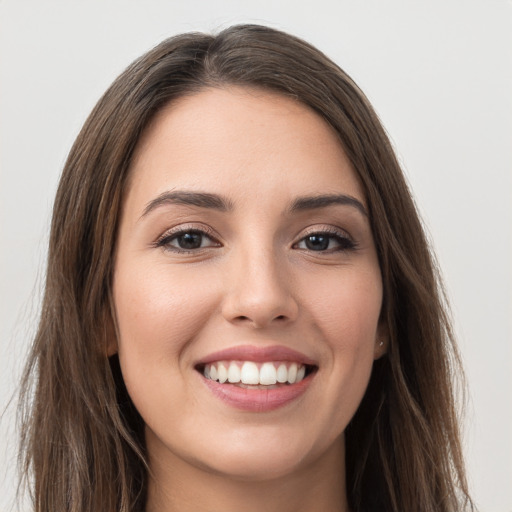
[246, 318]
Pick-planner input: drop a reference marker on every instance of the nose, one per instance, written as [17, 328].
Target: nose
[259, 291]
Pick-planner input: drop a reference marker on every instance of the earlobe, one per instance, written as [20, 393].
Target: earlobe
[380, 349]
[381, 342]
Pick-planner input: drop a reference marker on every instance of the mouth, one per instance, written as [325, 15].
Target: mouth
[257, 379]
[256, 375]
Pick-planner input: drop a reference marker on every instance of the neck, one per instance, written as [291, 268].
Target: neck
[183, 487]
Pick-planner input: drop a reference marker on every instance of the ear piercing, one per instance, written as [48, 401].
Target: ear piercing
[381, 343]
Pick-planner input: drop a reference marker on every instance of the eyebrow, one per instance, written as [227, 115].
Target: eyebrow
[322, 201]
[199, 199]
[217, 202]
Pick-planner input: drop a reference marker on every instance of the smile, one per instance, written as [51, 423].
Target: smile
[255, 374]
[257, 379]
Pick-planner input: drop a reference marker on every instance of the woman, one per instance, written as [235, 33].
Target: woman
[241, 310]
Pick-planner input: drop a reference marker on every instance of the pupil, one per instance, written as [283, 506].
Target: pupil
[190, 241]
[317, 242]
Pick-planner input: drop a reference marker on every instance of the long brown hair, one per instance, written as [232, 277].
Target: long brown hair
[82, 440]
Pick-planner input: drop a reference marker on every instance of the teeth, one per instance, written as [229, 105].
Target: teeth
[268, 374]
[234, 373]
[248, 372]
[222, 373]
[282, 374]
[292, 373]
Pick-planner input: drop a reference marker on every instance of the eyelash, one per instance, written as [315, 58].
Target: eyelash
[345, 243]
[170, 236]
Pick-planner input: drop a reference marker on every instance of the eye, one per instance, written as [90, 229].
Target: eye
[325, 242]
[187, 240]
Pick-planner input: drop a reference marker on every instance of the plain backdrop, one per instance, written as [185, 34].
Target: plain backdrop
[439, 74]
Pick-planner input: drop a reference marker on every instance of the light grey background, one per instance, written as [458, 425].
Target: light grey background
[440, 75]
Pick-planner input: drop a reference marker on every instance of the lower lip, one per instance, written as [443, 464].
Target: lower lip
[258, 400]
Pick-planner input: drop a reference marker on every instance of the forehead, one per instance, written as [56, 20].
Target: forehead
[240, 140]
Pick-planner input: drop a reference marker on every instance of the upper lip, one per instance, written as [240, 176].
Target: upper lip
[257, 354]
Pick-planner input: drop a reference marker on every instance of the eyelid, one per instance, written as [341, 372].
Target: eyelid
[347, 243]
[329, 230]
[186, 228]
[208, 232]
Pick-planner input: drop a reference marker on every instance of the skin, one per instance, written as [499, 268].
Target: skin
[254, 281]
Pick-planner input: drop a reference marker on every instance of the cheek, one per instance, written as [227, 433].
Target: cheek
[346, 309]
[154, 305]
[346, 317]
[158, 313]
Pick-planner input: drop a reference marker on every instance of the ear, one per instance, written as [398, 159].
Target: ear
[381, 340]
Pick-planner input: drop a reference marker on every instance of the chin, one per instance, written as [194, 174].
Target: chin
[260, 454]
[257, 468]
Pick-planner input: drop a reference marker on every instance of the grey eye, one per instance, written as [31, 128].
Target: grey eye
[187, 240]
[317, 242]
[325, 242]
[191, 240]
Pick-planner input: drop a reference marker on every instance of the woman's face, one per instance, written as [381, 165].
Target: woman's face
[247, 286]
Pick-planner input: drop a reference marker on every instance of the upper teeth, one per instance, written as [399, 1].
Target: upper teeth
[249, 372]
